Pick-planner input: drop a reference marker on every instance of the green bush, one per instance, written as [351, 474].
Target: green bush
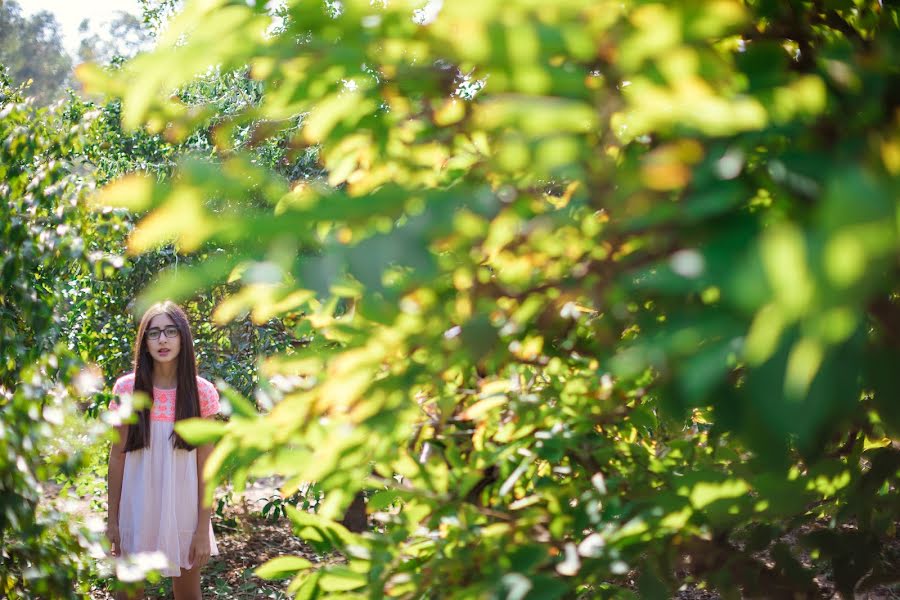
[42, 232]
[67, 322]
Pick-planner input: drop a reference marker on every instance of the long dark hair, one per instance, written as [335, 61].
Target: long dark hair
[187, 396]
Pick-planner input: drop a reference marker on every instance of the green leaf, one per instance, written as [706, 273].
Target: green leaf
[282, 567]
[322, 532]
[199, 431]
[180, 284]
[340, 579]
[239, 405]
[705, 492]
[382, 499]
[134, 192]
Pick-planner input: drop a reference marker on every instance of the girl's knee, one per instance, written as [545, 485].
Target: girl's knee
[187, 586]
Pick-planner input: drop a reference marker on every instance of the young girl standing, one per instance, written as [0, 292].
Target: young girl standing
[155, 477]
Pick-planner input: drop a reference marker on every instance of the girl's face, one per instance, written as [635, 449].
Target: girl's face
[167, 344]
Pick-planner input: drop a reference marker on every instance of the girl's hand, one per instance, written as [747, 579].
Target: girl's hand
[112, 534]
[199, 553]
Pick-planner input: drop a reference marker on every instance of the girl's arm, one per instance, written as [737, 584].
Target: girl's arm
[204, 511]
[114, 487]
[200, 545]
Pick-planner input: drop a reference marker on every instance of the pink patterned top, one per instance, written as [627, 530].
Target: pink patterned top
[163, 408]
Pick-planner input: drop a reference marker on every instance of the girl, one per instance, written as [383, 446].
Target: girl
[155, 477]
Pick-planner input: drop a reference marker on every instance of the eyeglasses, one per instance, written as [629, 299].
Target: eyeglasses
[170, 332]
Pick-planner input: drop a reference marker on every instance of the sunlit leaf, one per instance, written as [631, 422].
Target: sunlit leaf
[281, 567]
[200, 431]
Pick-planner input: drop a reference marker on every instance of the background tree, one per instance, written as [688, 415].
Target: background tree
[43, 227]
[32, 49]
[121, 37]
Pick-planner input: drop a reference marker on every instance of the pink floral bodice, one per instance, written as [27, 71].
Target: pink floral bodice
[163, 408]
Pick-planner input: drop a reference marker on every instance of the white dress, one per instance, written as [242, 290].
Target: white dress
[158, 506]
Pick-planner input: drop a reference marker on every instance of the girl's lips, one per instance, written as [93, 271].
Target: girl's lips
[162, 352]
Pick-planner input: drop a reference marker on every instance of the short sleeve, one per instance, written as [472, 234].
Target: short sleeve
[209, 398]
[123, 385]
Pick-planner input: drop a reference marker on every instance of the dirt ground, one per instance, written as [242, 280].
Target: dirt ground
[246, 539]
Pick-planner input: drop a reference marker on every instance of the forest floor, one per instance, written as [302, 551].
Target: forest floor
[246, 539]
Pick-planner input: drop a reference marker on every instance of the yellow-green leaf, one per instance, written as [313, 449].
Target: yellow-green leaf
[200, 431]
[282, 567]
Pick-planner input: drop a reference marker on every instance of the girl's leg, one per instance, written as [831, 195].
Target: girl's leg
[187, 587]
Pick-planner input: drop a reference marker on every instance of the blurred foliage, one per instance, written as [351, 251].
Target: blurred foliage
[31, 47]
[118, 38]
[42, 231]
[596, 292]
